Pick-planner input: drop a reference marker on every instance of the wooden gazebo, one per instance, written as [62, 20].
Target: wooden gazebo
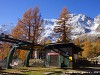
[62, 54]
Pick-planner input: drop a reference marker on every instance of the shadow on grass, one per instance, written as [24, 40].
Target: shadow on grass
[92, 69]
[98, 65]
[16, 74]
[7, 73]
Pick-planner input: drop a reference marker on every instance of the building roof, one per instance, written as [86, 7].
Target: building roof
[74, 47]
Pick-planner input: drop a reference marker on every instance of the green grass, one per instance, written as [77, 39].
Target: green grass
[32, 71]
[41, 71]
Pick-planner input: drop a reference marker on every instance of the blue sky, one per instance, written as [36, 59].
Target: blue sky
[11, 10]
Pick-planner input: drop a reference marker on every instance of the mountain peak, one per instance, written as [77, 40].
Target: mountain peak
[97, 19]
[81, 24]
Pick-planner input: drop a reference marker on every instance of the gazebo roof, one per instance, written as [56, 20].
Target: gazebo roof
[74, 47]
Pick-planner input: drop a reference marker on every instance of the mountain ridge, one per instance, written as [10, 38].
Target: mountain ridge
[82, 25]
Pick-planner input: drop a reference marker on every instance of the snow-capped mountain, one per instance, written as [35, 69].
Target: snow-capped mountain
[48, 32]
[97, 23]
[81, 25]
[6, 28]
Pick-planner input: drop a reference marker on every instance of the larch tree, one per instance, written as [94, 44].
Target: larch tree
[87, 49]
[77, 42]
[63, 27]
[48, 41]
[5, 49]
[43, 41]
[29, 27]
[96, 48]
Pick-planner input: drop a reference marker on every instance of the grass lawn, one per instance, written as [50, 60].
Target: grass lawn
[32, 71]
[45, 71]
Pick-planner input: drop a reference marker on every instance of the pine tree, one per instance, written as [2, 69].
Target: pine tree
[63, 27]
